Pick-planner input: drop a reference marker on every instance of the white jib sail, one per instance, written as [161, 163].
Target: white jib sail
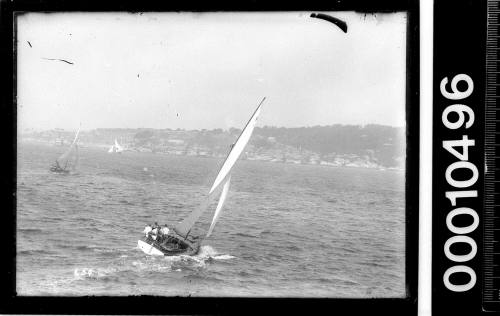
[237, 149]
[220, 204]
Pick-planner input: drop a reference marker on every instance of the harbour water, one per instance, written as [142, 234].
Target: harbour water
[286, 230]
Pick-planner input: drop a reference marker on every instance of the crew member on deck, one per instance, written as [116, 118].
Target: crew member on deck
[147, 230]
[154, 232]
[160, 234]
[165, 230]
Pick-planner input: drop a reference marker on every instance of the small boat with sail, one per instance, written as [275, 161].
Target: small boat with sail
[68, 161]
[116, 148]
[178, 240]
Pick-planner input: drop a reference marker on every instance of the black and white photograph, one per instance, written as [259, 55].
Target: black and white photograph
[212, 154]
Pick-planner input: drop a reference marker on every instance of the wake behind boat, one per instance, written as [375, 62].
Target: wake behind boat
[68, 161]
[164, 241]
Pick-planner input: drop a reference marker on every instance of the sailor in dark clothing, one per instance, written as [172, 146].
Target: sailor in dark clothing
[154, 231]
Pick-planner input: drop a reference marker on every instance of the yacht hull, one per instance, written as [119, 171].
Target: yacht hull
[154, 248]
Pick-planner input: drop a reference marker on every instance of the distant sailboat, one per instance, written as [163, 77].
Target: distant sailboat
[115, 148]
[68, 161]
[179, 240]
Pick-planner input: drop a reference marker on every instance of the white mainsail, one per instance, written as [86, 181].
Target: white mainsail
[220, 204]
[76, 136]
[115, 148]
[184, 227]
[237, 149]
[70, 158]
[118, 147]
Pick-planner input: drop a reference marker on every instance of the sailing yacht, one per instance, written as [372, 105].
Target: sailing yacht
[178, 239]
[115, 148]
[68, 161]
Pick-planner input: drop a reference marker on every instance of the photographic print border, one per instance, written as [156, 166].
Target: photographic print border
[13, 304]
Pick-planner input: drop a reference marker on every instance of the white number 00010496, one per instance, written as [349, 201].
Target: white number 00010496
[465, 120]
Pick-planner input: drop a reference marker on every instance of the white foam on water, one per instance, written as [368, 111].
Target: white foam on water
[152, 263]
[207, 252]
[224, 257]
[149, 264]
[92, 273]
[172, 263]
[193, 261]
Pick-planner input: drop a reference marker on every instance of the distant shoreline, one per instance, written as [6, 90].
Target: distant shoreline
[370, 146]
[293, 162]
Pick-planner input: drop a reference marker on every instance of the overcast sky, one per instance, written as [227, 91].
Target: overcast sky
[209, 70]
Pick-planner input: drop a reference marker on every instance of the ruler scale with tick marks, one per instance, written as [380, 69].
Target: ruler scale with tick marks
[491, 209]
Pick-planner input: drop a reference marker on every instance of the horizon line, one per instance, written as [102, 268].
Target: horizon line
[212, 129]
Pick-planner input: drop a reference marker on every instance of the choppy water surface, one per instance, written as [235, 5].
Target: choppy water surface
[286, 230]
